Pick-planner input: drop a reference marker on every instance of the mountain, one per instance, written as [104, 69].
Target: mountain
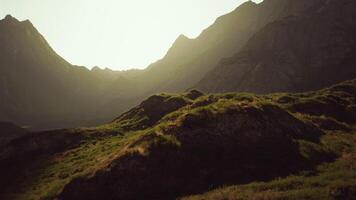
[40, 89]
[306, 51]
[188, 60]
[174, 145]
[193, 145]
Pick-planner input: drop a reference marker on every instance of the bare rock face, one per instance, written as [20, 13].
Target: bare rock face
[301, 52]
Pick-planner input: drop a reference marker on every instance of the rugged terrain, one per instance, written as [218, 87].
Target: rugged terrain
[302, 146]
[189, 145]
[307, 51]
[273, 46]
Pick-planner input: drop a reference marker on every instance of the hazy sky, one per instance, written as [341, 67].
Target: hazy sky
[118, 34]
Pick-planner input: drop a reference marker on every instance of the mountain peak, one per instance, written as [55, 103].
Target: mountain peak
[9, 18]
[181, 39]
[178, 46]
[246, 4]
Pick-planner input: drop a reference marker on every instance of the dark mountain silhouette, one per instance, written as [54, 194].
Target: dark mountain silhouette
[188, 60]
[298, 53]
[40, 89]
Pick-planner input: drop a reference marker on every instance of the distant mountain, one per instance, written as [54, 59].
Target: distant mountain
[40, 89]
[305, 51]
[274, 46]
[174, 145]
[188, 60]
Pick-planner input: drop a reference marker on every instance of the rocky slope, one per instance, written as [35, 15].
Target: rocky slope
[172, 145]
[301, 52]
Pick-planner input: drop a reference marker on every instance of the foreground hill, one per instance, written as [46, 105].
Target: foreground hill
[174, 145]
[301, 52]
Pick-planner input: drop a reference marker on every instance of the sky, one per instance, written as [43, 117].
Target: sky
[116, 34]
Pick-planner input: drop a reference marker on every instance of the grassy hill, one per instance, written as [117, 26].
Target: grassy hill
[236, 145]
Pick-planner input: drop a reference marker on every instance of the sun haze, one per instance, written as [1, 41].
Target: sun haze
[118, 34]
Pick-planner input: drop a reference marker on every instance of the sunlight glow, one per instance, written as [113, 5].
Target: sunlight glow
[118, 34]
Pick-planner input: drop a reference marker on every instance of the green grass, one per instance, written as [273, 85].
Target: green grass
[328, 182]
[47, 176]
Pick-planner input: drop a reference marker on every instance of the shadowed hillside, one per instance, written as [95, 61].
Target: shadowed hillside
[188, 60]
[173, 145]
[40, 89]
[274, 46]
[301, 52]
[263, 145]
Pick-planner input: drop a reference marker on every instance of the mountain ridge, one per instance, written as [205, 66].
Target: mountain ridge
[280, 50]
[193, 144]
[67, 87]
[38, 87]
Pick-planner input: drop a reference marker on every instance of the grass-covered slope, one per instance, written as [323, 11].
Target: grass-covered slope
[329, 181]
[170, 146]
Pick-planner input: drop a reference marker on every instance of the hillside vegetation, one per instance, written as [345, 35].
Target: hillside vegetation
[172, 145]
[272, 46]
